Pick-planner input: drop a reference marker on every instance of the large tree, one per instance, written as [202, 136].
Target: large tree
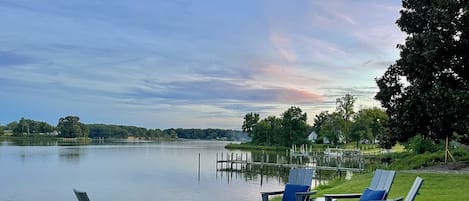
[70, 127]
[369, 124]
[250, 121]
[294, 126]
[290, 129]
[319, 121]
[22, 128]
[332, 128]
[344, 106]
[427, 91]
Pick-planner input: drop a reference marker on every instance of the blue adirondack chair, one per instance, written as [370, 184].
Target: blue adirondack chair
[81, 195]
[297, 188]
[413, 192]
[381, 183]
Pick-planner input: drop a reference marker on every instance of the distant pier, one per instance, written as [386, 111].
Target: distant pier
[317, 160]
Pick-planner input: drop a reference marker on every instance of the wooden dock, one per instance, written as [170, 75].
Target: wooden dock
[244, 161]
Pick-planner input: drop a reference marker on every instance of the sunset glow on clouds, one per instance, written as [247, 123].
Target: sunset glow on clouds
[189, 64]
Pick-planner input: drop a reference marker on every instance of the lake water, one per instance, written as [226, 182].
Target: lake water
[162, 171]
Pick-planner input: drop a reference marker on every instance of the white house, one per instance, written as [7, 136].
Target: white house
[312, 136]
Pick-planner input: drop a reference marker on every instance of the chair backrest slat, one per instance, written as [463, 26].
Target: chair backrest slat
[292, 177]
[307, 177]
[301, 176]
[376, 178]
[382, 180]
[414, 190]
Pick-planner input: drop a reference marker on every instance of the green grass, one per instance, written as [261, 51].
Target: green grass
[436, 186]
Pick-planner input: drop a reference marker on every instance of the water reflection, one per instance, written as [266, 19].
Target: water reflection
[30, 142]
[70, 155]
[138, 171]
[267, 166]
[255, 173]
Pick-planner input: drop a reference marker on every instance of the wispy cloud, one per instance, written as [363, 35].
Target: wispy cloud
[185, 64]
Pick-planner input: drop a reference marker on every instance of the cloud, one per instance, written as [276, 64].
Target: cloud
[289, 55]
[219, 91]
[283, 46]
[345, 18]
[298, 96]
[163, 64]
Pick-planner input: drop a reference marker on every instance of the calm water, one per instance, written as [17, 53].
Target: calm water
[163, 171]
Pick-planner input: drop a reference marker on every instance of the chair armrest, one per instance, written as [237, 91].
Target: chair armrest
[329, 197]
[306, 193]
[272, 193]
[265, 195]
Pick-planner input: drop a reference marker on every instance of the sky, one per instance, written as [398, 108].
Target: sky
[190, 64]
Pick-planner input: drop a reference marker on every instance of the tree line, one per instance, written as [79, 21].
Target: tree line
[71, 127]
[289, 129]
[28, 127]
[338, 127]
[368, 125]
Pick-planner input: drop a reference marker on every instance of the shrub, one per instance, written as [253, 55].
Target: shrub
[420, 145]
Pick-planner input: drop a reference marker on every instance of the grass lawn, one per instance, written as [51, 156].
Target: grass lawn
[436, 186]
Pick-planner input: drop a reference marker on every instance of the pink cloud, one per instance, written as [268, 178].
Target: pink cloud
[292, 84]
[291, 95]
[287, 75]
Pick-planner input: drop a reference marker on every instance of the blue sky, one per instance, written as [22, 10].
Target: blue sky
[189, 64]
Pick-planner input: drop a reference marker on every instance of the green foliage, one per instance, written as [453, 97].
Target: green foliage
[114, 131]
[344, 106]
[71, 127]
[294, 127]
[319, 121]
[11, 126]
[337, 127]
[30, 127]
[371, 123]
[420, 145]
[250, 121]
[436, 186]
[22, 128]
[1, 129]
[411, 160]
[332, 128]
[460, 154]
[206, 134]
[427, 90]
[290, 129]
[265, 132]
[407, 161]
